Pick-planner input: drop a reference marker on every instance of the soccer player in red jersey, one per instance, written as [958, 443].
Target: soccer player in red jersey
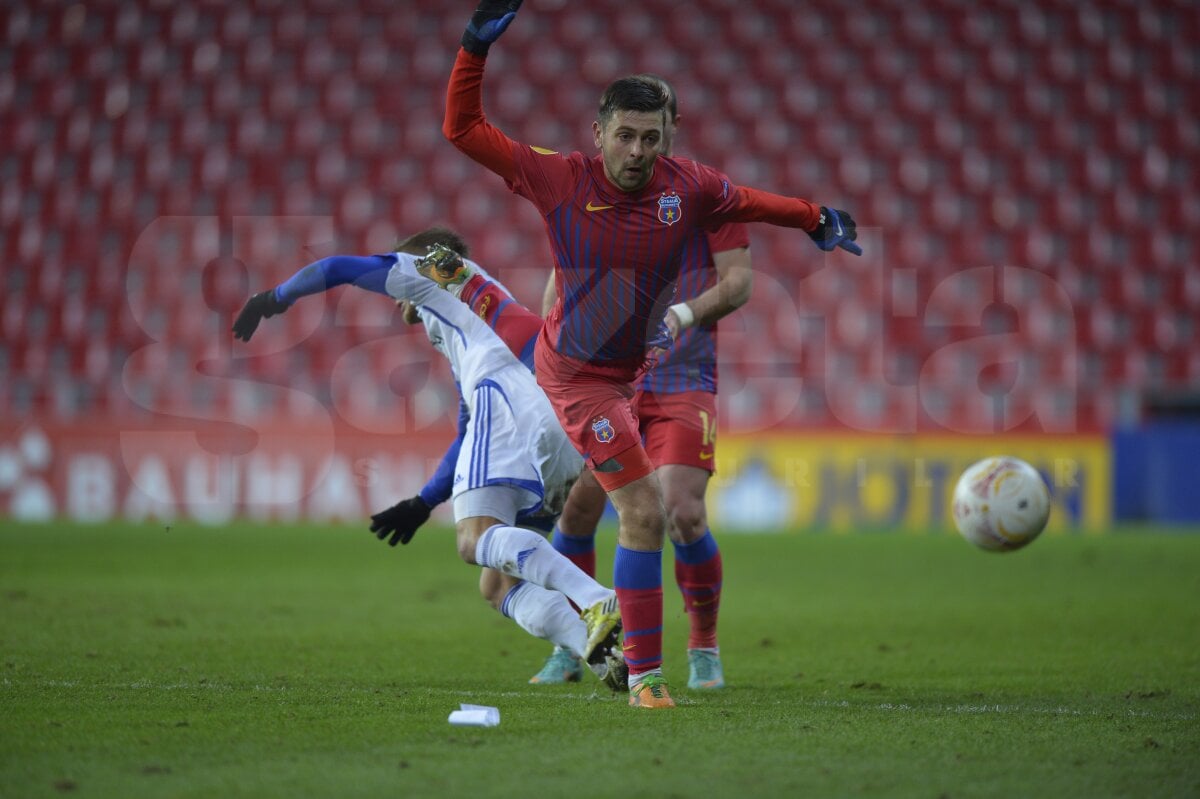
[618, 224]
[676, 407]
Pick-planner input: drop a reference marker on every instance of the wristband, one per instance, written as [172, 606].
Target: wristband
[687, 317]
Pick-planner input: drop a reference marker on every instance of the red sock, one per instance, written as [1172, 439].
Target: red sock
[637, 578]
[580, 551]
[698, 574]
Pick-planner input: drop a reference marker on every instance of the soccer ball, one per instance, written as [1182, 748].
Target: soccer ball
[1001, 504]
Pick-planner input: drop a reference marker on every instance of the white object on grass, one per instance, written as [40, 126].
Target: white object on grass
[475, 716]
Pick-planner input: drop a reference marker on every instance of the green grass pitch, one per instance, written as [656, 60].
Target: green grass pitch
[294, 661]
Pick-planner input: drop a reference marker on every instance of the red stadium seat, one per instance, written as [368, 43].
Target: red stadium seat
[1026, 135]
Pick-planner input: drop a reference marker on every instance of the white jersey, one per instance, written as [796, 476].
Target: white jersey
[513, 437]
[473, 348]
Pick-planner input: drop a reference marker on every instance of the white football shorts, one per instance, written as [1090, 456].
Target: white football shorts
[514, 440]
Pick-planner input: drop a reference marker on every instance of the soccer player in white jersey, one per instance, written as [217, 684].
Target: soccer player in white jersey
[506, 466]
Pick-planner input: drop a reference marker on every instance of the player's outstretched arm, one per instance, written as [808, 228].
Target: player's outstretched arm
[366, 272]
[465, 125]
[830, 228]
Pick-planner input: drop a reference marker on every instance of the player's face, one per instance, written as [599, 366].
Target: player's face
[629, 143]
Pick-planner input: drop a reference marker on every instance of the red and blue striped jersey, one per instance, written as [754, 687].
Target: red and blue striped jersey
[617, 255]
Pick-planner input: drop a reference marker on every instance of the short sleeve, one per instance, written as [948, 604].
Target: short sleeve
[544, 177]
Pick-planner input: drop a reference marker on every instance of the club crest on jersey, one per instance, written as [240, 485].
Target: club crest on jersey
[603, 430]
[670, 208]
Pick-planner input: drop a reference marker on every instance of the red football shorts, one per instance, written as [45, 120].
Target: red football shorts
[592, 404]
[678, 428]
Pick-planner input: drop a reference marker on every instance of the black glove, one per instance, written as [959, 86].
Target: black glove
[836, 229]
[487, 23]
[261, 306]
[401, 520]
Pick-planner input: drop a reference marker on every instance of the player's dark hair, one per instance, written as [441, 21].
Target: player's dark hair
[672, 107]
[644, 93]
[419, 243]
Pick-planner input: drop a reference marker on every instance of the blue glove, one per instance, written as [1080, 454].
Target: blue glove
[487, 23]
[663, 338]
[836, 229]
[658, 346]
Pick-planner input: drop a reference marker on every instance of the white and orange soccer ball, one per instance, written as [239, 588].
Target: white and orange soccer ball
[1001, 504]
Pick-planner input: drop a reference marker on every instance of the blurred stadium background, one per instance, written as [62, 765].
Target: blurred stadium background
[1025, 173]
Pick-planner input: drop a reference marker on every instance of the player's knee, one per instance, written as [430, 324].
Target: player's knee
[468, 532]
[580, 521]
[494, 601]
[492, 588]
[687, 520]
[466, 547]
[649, 517]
